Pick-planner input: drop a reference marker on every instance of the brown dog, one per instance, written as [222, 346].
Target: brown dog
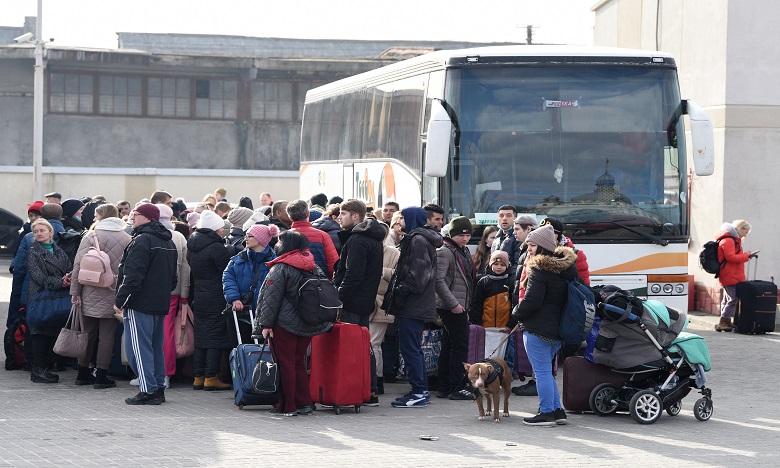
[487, 378]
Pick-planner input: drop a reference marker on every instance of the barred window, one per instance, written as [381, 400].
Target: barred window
[215, 99]
[71, 93]
[169, 97]
[120, 95]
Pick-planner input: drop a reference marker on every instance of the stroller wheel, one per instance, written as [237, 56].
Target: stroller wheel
[645, 407]
[703, 409]
[674, 410]
[602, 399]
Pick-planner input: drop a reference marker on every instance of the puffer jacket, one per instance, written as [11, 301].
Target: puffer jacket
[320, 245]
[454, 283]
[389, 263]
[280, 286]
[182, 266]
[413, 293]
[99, 302]
[730, 251]
[582, 261]
[46, 270]
[546, 292]
[20, 259]
[492, 304]
[240, 272]
[331, 227]
[208, 257]
[360, 267]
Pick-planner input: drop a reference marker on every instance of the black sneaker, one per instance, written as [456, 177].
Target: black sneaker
[144, 398]
[305, 410]
[160, 392]
[461, 395]
[443, 394]
[560, 417]
[528, 389]
[541, 419]
[373, 401]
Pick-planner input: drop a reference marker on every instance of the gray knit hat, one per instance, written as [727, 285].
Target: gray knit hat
[239, 215]
[544, 237]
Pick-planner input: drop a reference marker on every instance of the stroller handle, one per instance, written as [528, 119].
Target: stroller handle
[617, 314]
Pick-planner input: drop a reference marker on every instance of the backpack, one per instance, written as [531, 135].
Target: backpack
[708, 258]
[69, 241]
[13, 343]
[95, 268]
[318, 299]
[577, 318]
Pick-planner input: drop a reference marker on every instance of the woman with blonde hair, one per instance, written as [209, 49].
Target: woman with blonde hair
[732, 271]
[396, 230]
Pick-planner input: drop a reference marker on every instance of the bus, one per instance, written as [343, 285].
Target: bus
[592, 136]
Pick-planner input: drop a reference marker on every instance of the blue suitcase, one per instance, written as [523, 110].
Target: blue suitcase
[243, 360]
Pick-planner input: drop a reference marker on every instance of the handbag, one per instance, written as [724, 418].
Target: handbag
[184, 332]
[49, 308]
[265, 377]
[72, 340]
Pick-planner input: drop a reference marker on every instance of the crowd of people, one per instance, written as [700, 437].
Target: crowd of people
[391, 266]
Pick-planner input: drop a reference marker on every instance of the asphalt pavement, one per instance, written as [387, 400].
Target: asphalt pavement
[65, 425]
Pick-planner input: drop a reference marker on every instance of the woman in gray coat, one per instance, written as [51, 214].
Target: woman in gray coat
[97, 304]
[49, 269]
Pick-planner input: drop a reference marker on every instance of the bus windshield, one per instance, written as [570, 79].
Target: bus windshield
[596, 147]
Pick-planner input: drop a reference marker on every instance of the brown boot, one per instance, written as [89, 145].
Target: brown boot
[213, 383]
[724, 325]
[197, 383]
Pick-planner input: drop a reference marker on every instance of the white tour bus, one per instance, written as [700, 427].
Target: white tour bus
[592, 136]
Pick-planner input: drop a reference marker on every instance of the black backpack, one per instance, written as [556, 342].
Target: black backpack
[13, 343]
[318, 299]
[708, 258]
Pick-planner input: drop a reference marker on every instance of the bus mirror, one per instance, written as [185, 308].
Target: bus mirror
[702, 140]
[437, 148]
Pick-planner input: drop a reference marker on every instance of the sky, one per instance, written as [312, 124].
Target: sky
[94, 23]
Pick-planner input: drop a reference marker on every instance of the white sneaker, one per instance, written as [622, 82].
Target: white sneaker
[167, 382]
[134, 382]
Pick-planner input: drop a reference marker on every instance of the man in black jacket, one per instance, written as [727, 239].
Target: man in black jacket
[412, 299]
[147, 275]
[359, 270]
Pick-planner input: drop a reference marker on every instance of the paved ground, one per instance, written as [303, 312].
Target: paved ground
[58, 425]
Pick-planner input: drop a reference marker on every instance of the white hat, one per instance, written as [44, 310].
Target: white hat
[165, 215]
[210, 220]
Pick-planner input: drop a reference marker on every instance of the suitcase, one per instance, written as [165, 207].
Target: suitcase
[756, 306]
[580, 377]
[522, 364]
[476, 351]
[341, 367]
[243, 360]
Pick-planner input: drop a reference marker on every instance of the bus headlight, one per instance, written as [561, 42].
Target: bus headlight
[655, 288]
[668, 288]
[679, 288]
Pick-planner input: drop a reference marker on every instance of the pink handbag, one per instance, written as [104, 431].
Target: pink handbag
[184, 332]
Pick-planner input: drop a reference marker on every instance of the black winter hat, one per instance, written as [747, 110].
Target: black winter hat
[460, 225]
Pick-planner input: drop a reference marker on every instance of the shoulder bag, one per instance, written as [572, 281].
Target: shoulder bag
[265, 377]
[72, 340]
[49, 308]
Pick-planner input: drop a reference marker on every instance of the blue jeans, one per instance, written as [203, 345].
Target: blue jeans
[541, 354]
[409, 338]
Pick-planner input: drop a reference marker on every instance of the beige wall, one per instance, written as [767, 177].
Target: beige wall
[17, 187]
[728, 62]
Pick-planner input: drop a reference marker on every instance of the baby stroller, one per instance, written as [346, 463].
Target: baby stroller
[645, 340]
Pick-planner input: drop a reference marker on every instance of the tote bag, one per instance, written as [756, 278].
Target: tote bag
[49, 308]
[72, 340]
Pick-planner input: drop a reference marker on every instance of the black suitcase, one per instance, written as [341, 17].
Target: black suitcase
[756, 307]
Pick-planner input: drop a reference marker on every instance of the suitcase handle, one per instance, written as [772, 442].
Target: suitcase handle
[238, 330]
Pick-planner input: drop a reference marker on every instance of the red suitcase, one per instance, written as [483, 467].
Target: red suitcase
[580, 377]
[476, 344]
[340, 367]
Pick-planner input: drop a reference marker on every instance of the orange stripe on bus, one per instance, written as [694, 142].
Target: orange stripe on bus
[650, 262]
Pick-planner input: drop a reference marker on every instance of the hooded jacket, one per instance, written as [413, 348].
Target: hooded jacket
[147, 272]
[240, 272]
[112, 239]
[331, 227]
[546, 292]
[276, 303]
[492, 304]
[360, 267]
[208, 257]
[320, 245]
[730, 251]
[412, 292]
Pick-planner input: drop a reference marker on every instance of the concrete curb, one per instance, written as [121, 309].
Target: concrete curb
[703, 320]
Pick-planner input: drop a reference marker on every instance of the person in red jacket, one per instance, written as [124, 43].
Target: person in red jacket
[732, 271]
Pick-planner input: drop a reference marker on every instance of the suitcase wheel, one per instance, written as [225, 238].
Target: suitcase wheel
[336, 409]
[240, 406]
[357, 408]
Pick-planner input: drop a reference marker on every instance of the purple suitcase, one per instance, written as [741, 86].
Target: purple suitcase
[522, 365]
[476, 344]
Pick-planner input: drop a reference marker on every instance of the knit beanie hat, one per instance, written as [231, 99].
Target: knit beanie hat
[192, 219]
[263, 233]
[51, 211]
[499, 256]
[149, 211]
[71, 206]
[239, 215]
[246, 202]
[460, 225]
[210, 220]
[35, 207]
[544, 237]
[256, 218]
[166, 212]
